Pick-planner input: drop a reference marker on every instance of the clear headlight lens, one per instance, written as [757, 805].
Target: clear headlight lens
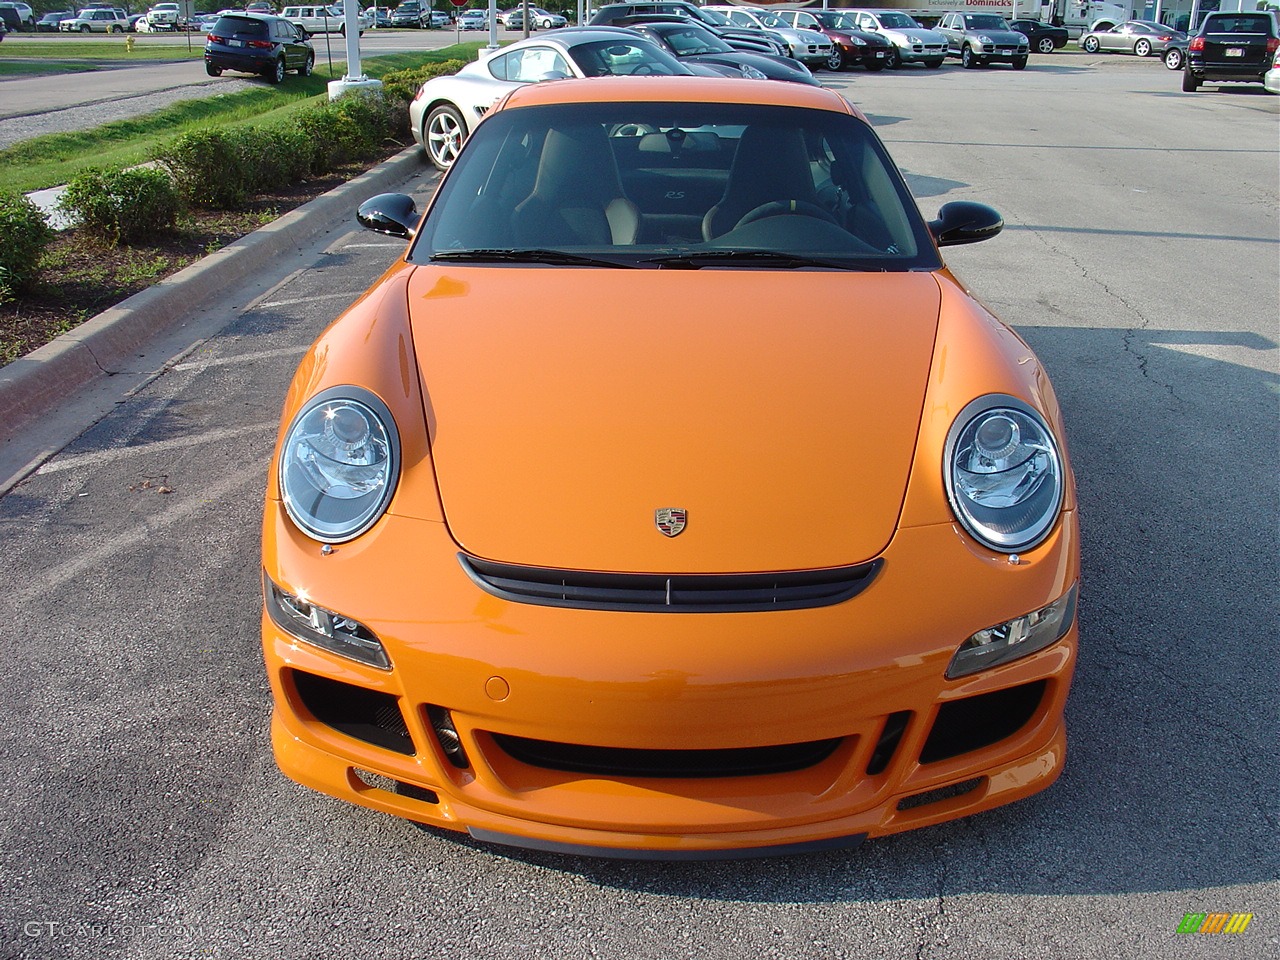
[751, 73]
[1015, 638]
[1003, 473]
[339, 464]
[301, 618]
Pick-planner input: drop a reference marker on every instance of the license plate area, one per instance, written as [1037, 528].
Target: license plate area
[1235, 51]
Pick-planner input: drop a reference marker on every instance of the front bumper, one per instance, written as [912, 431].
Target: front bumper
[865, 54]
[922, 53]
[910, 748]
[241, 62]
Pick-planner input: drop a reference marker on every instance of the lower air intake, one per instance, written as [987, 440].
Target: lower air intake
[626, 762]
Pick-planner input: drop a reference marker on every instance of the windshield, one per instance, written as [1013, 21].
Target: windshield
[713, 17]
[897, 21]
[692, 41]
[835, 21]
[984, 21]
[675, 186]
[773, 20]
[619, 58]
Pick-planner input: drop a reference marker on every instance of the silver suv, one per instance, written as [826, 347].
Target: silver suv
[911, 42]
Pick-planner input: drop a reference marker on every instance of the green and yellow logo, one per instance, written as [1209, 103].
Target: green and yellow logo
[1215, 923]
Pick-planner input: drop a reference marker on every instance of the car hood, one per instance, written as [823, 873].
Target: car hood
[775, 68]
[565, 406]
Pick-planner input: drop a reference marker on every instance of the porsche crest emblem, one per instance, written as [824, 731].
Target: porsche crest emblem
[671, 520]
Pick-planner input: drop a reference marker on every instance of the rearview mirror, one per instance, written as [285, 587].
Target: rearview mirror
[392, 213]
[963, 221]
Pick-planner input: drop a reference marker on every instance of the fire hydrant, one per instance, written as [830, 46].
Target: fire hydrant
[128, 44]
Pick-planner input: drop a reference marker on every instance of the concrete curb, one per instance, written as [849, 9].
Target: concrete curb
[33, 385]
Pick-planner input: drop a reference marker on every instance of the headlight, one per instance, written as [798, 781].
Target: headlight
[985, 40]
[1003, 473]
[751, 73]
[301, 618]
[1015, 638]
[339, 464]
[857, 42]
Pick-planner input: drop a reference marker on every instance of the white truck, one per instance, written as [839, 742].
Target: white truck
[163, 17]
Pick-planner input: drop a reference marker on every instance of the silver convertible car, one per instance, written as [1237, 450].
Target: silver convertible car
[447, 109]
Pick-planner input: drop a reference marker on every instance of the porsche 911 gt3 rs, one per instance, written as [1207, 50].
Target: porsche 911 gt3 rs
[579, 537]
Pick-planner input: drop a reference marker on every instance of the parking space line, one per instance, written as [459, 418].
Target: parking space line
[239, 358]
[120, 453]
[344, 294]
[50, 581]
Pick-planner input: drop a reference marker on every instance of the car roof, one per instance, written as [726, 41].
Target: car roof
[677, 90]
[572, 36]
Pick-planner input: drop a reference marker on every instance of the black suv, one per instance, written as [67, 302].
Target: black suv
[256, 43]
[1231, 48]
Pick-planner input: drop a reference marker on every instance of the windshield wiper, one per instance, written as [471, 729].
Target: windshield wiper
[557, 258]
[696, 260]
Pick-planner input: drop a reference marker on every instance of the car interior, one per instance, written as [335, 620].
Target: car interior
[644, 181]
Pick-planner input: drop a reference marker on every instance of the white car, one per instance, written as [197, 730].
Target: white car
[447, 109]
[322, 19]
[545, 20]
[807, 46]
[912, 43]
[1271, 79]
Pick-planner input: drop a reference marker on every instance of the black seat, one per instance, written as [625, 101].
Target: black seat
[770, 166]
[577, 197]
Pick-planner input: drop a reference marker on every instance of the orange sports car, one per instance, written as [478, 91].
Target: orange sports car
[581, 536]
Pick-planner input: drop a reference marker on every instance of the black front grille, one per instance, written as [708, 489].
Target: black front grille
[368, 715]
[675, 593]
[627, 762]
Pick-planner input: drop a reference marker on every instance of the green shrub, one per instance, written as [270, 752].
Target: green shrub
[400, 86]
[281, 156]
[122, 205]
[373, 114]
[213, 168]
[24, 233]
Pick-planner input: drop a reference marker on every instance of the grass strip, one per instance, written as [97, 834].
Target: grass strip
[53, 159]
[113, 49]
[26, 68]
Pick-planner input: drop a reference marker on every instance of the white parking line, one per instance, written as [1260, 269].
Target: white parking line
[50, 581]
[344, 295]
[239, 358]
[121, 453]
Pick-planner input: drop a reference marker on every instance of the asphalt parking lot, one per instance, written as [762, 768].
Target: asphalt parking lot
[1141, 259]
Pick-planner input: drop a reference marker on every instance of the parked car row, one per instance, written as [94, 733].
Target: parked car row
[17, 16]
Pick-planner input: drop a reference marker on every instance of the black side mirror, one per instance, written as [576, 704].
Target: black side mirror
[391, 213]
[963, 221]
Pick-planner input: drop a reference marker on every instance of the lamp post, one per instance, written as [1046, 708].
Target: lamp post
[354, 79]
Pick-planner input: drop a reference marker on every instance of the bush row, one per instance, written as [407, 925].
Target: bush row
[224, 169]
[24, 233]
